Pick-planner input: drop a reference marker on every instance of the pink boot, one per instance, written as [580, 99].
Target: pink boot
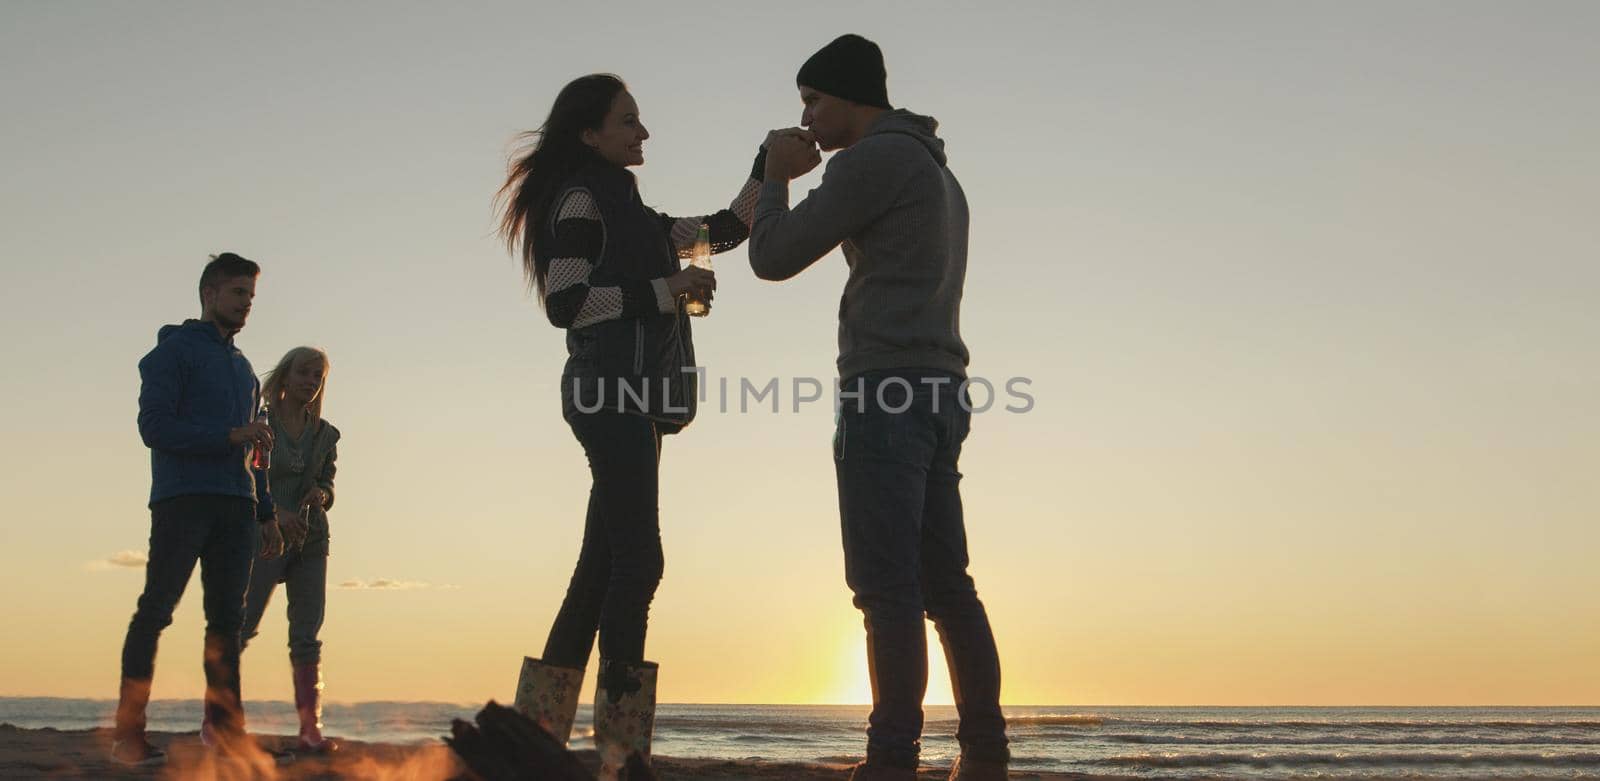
[308, 703]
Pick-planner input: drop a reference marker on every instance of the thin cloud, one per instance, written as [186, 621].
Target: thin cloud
[390, 584]
[127, 559]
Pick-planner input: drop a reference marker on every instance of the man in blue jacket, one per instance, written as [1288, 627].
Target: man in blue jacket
[198, 403]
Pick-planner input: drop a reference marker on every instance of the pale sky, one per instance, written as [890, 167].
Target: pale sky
[1307, 293]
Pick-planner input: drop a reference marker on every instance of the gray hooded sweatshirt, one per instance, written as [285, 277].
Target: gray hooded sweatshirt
[902, 219]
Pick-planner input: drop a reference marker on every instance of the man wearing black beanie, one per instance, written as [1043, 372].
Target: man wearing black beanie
[890, 199]
[851, 67]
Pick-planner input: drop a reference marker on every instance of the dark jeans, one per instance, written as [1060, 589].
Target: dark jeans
[304, 574]
[220, 532]
[620, 563]
[905, 554]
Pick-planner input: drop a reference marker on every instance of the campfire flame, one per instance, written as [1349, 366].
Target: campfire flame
[195, 762]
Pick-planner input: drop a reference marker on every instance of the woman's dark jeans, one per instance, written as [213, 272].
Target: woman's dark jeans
[905, 550]
[620, 563]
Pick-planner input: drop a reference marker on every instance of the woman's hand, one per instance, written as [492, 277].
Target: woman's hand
[294, 525]
[790, 132]
[316, 497]
[694, 281]
[791, 153]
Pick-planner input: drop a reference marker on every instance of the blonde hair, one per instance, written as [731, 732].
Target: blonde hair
[272, 391]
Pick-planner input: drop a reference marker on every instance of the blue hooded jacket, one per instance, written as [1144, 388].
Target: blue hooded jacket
[195, 387]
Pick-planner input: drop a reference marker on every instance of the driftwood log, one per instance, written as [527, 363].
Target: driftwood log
[505, 745]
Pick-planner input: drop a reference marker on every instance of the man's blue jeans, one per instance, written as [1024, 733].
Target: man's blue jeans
[219, 533]
[905, 550]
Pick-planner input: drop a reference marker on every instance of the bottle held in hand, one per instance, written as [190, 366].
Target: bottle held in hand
[260, 457]
[701, 259]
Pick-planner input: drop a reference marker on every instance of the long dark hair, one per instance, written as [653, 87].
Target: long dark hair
[550, 155]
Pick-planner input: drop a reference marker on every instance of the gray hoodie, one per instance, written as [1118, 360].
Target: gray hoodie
[902, 218]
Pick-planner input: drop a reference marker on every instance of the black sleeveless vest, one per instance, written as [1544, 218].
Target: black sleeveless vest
[632, 365]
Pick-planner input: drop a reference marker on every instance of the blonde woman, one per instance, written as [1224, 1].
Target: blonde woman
[301, 479]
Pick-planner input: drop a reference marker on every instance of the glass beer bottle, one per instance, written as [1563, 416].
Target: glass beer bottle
[700, 259]
[260, 457]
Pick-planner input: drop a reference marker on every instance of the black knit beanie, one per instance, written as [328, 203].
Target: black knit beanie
[851, 67]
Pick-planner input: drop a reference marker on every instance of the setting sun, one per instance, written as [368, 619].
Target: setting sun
[855, 687]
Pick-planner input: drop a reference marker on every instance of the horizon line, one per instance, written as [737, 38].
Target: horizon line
[833, 704]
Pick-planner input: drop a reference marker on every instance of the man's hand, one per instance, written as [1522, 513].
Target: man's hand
[790, 156]
[258, 434]
[271, 540]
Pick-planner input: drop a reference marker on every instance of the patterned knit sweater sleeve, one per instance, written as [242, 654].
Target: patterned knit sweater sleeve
[577, 243]
[729, 227]
[328, 446]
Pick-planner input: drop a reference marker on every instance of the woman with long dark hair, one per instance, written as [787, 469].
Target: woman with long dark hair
[607, 269]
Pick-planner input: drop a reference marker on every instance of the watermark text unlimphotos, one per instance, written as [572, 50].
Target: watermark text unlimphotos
[893, 393]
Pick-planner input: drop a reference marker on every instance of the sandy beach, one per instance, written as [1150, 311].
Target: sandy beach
[28, 754]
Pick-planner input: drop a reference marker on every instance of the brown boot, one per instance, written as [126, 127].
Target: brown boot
[132, 699]
[966, 769]
[136, 752]
[224, 707]
[128, 743]
[872, 771]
